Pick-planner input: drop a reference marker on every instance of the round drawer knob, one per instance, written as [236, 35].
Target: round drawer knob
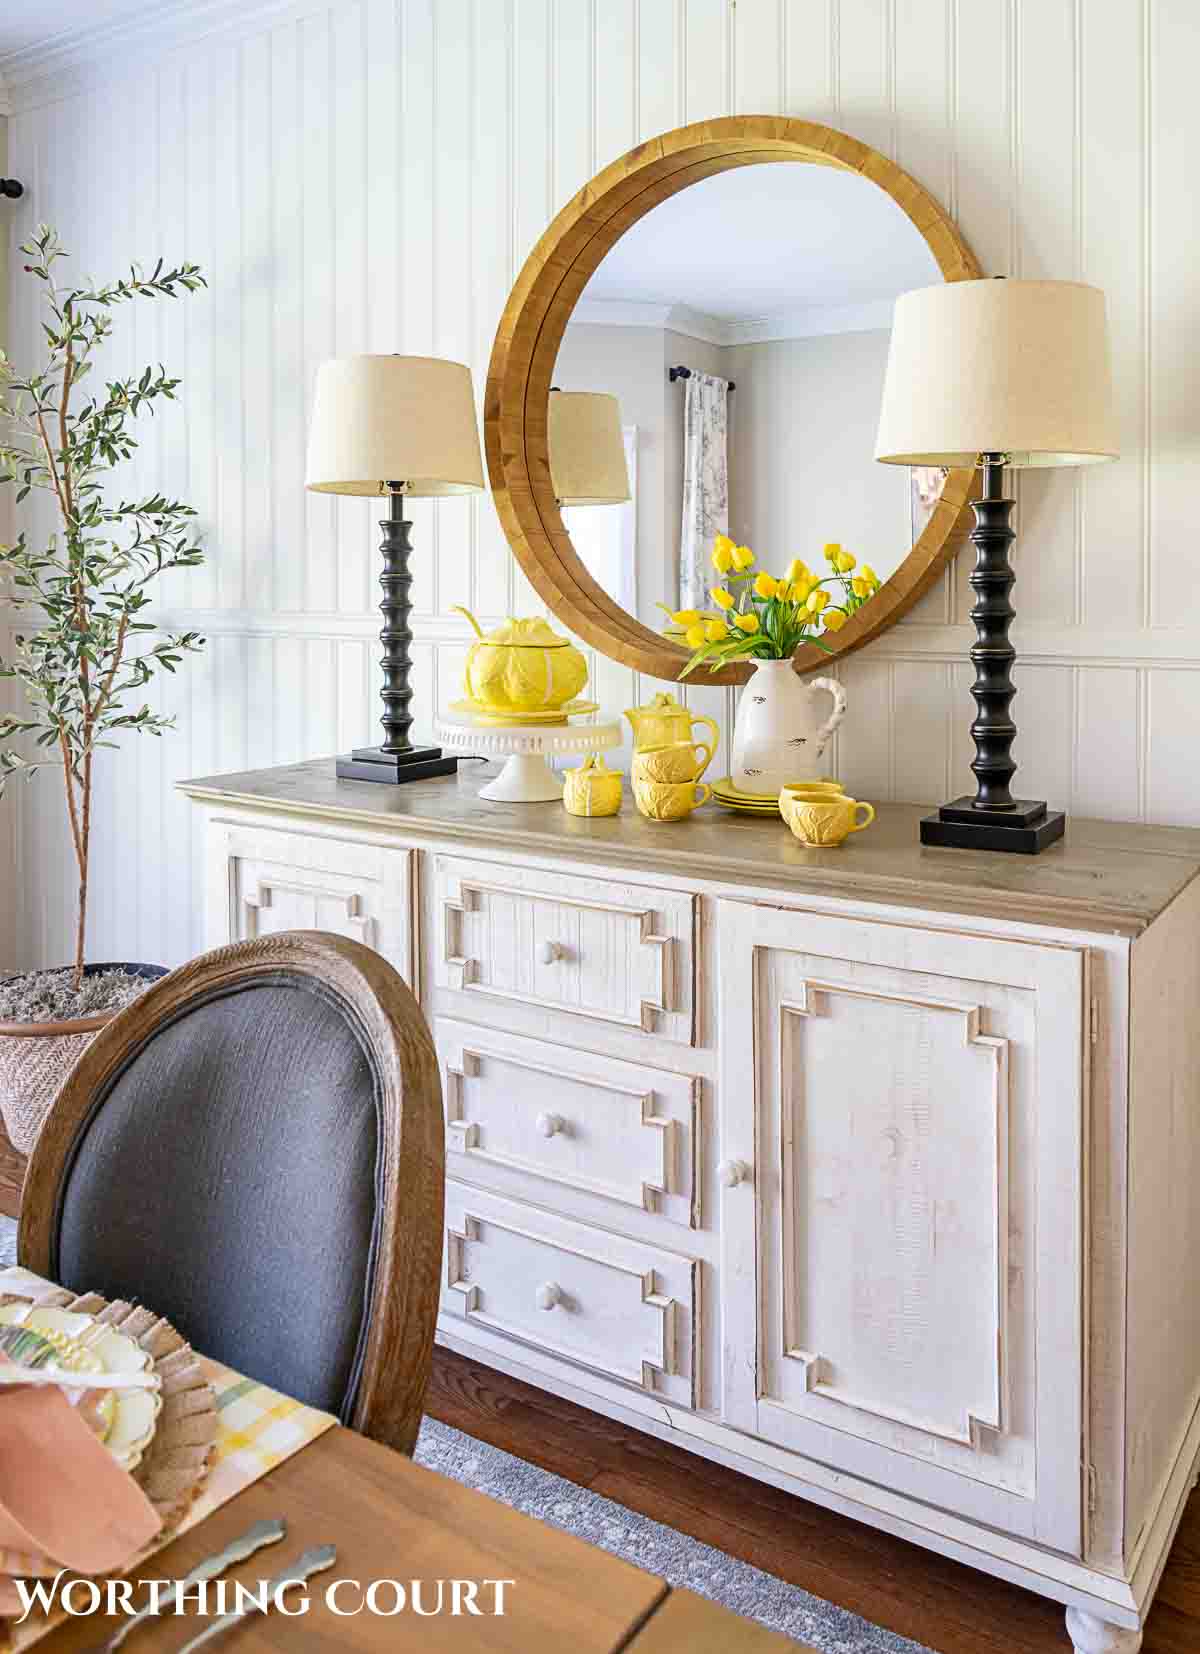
[732, 1172]
[548, 952]
[547, 1295]
[550, 1124]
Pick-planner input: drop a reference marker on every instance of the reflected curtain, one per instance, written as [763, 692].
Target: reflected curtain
[705, 483]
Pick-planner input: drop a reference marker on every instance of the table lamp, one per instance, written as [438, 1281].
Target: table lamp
[995, 373]
[586, 448]
[391, 426]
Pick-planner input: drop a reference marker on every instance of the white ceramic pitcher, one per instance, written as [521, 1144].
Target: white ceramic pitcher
[778, 735]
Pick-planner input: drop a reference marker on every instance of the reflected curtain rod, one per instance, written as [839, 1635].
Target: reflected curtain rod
[686, 373]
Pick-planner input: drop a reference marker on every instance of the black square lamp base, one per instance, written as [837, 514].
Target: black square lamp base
[415, 764]
[1026, 830]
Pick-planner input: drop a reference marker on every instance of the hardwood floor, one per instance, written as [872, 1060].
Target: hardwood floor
[950, 1608]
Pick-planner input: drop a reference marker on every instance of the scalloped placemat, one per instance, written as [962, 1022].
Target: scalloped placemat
[218, 1431]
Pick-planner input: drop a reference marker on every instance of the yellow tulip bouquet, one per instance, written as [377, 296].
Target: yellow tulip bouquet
[758, 616]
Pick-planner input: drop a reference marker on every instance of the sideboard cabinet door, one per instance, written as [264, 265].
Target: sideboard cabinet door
[261, 881]
[901, 1272]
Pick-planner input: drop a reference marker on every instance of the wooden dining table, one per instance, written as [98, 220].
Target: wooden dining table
[391, 1519]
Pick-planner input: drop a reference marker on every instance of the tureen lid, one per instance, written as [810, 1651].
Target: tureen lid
[534, 633]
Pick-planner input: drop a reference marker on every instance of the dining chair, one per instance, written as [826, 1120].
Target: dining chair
[254, 1149]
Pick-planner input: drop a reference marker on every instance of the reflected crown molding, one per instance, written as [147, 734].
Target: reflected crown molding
[802, 322]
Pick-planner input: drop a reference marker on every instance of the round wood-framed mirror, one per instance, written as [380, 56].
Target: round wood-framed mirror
[531, 331]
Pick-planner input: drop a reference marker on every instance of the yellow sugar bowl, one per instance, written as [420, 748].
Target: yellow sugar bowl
[823, 823]
[592, 789]
[670, 800]
[523, 666]
[665, 720]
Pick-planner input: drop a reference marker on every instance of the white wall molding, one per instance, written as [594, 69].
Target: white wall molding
[1159, 648]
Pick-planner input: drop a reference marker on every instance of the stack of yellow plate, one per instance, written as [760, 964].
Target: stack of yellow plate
[755, 804]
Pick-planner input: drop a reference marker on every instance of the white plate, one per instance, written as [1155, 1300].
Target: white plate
[93, 1346]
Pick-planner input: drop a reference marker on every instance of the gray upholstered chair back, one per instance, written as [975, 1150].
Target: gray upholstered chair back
[231, 1156]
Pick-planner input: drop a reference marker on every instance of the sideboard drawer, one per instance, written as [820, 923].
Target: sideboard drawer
[615, 1306]
[577, 1120]
[612, 952]
[262, 880]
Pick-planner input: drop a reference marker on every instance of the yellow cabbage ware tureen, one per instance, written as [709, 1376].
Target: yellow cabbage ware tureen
[523, 666]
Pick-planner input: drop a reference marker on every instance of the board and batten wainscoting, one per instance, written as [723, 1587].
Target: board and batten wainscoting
[370, 175]
[870, 1174]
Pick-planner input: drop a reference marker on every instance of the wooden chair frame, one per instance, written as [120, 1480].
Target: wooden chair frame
[531, 331]
[402, 1310]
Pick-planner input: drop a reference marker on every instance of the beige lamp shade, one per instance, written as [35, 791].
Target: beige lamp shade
[1019, 368]
[587, 449]
[393, 419]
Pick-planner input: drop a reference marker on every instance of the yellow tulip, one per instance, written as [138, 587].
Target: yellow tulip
[817, 601]
[716, 631]
[797, 570]
[845, 561]
[747, 622]
[695, 636]
[834, 619]
[721, 598]
[686, 617]
[832, 551]
[722, 542]
[722, 559]
[742, 557]
[868, 573]
[860, 587]
[765, 586]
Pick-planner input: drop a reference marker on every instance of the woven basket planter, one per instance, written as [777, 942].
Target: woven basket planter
[36, 1057]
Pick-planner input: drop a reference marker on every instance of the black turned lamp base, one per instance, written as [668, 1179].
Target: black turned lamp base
[416, 764]
[1026, 830]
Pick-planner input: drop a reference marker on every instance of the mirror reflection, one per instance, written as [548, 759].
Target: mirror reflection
[722, 373]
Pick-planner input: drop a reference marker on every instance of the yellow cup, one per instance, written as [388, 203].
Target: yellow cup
[824, 823]
[592, 789]
[814, 789]
[669, 800]
[672, 761]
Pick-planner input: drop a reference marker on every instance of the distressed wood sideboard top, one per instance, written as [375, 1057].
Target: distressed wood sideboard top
[1103, 875]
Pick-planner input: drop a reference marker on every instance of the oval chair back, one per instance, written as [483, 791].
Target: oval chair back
[254, 1149]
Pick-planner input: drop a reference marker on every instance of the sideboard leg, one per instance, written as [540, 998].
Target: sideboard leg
[1090, 1635]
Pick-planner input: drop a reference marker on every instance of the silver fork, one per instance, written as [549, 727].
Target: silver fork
[312, 1562]
[237, 1550]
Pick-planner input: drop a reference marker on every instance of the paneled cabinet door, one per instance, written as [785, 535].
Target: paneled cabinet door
[907, 1217]
[262, 881]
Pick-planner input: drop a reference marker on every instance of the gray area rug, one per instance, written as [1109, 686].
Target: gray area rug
[661, 1550]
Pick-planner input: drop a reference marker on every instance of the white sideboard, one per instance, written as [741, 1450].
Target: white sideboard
[872, 1172]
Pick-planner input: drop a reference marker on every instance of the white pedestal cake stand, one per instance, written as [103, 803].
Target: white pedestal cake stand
[526, 778]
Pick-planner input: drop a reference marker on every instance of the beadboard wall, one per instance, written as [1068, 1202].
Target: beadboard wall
[370, 174]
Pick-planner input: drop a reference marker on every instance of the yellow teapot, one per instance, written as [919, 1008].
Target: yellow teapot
[523, 666]
[663, 721]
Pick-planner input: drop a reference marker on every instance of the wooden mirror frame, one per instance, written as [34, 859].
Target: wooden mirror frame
[531, 331]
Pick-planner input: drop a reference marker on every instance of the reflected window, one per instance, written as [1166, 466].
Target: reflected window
[605, 536]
